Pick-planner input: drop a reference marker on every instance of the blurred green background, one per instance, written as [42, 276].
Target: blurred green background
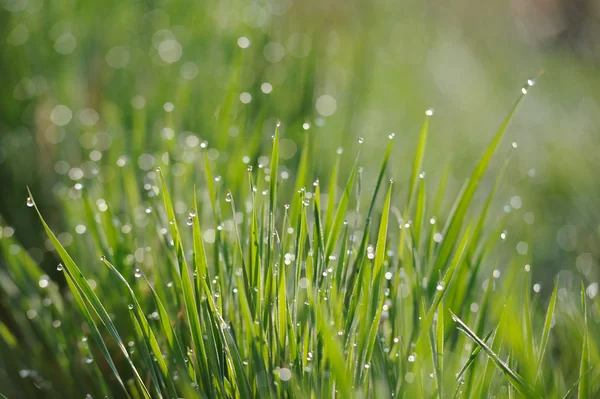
[88, 86]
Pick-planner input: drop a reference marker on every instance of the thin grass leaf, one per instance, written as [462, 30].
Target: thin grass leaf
[546, 330]
[512, 376]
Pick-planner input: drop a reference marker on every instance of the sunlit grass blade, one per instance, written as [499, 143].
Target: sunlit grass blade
[439, 350]
[455, 223]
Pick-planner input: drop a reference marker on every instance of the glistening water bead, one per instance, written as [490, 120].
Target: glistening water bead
[137, 273]
[525, 88]
[59, 267]
[29, 202]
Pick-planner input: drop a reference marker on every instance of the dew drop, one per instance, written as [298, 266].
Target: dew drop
[192, 212]
[278, 123]
[429, 112]
[287, 206]
[130, 306]
[190, 221]
[249, 169]
[306, 126]
[440, 286]
[137, 273]
[157, 170]
[340, 151]
[59, 267]
[531, 82]
[391, 136]
[228, 197]
[29, 202]
[102, 258]
[360, 140]
[514, 144]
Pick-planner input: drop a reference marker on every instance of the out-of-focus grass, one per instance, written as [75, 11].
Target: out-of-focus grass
[382, 63]
[97, 97]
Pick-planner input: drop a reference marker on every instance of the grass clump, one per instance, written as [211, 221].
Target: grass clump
[403, 295]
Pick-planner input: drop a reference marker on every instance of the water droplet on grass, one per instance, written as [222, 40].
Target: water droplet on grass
[137, 273]
[429, 112]
[59, 267]
[29, 202]
[130, 306]
[360, 140]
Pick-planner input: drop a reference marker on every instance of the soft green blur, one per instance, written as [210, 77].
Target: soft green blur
[379, 65]
[90, 89]
[382, 62]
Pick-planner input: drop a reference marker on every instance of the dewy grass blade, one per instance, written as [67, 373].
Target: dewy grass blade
[196, 332]
[94, 330]
[512, 376]
[82, 284]
[455, 223]
[340, 213]
[148, 335]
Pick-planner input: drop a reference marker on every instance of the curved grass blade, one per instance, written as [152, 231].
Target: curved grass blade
[512, 376]
[90, 296]
[147, 334]
[94, 330]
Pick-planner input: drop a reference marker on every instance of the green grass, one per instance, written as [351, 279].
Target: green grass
[208, 286]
